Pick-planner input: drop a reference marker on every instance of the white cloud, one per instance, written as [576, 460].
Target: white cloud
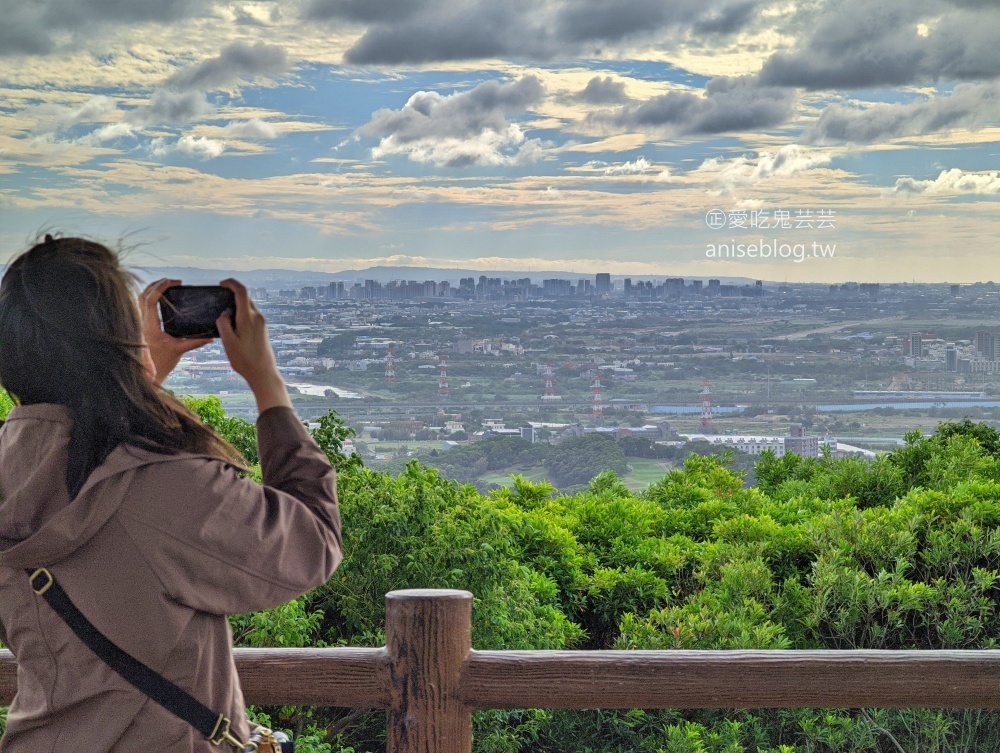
[110, 132]
[93, 109]
[255, 128]
[192, 146]
[784, 162]
[953, 182]
[788, 160]
[159, 147]
[462, 129]
[530, 151]
[200, 147]
[52, 117]
[634, 167]
[508, 147]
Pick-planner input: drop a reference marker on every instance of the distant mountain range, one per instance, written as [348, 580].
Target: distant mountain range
[291, 278]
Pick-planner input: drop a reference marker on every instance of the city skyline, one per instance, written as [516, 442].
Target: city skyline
[276, 278]
[850, 140]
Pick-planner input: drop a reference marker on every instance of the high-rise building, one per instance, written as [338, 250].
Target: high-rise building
[916, 345]
[602, 283]
[951, 358]
[556, 287]
[707, 426]
[985, 346]
[800, 443]
[443, 390]
[673, 286]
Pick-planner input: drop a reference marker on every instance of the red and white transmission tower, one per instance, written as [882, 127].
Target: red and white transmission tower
[598, 399]
[706, 409]
[443, 390]
[390, 373]
[549, 389]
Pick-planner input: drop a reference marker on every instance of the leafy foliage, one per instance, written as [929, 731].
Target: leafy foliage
[330, 435]
[582, 458]
[899, 553]
[240, 433]
[6, 403]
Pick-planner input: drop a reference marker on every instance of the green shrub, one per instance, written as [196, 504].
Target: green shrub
[899, 553]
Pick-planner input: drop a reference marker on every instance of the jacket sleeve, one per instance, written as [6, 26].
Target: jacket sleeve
[227, 545]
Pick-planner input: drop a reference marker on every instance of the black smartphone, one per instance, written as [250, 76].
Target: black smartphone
[191, 310]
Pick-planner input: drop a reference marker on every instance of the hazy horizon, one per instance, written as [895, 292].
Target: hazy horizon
[386, 273]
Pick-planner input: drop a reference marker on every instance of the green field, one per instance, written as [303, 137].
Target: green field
[644, 473]
[535, 475]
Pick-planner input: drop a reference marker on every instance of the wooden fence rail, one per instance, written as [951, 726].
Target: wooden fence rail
[429, 679]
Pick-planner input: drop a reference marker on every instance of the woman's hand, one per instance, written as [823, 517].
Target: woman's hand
[249, 350]
[164, 350]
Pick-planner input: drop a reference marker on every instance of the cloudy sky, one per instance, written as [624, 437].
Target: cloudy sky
[632, 136]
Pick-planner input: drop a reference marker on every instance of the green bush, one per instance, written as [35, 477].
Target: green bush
[898, 553]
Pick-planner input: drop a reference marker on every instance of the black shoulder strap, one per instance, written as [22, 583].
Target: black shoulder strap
[174, 699]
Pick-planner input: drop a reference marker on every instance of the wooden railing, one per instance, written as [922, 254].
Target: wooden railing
[430, 680]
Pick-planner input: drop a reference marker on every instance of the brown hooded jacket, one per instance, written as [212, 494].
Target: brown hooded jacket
[155, 550]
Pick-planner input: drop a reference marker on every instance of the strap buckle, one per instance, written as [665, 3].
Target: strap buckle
[41, 589]
[221, 734]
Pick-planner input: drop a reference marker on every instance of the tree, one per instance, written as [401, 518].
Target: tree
[240, 433]
[330, 436]
[579, 459]
[336, 345]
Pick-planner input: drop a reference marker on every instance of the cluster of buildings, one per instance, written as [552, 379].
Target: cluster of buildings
[677, 287]
[927, 352]
[495, 346]
[487, 288]
[796, 441]
[495, 427]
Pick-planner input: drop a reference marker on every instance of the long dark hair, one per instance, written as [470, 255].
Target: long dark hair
[71, 333]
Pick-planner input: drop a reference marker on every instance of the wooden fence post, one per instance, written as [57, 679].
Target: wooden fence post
[428, 635]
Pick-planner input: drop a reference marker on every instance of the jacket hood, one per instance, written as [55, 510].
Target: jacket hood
[39, 524]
